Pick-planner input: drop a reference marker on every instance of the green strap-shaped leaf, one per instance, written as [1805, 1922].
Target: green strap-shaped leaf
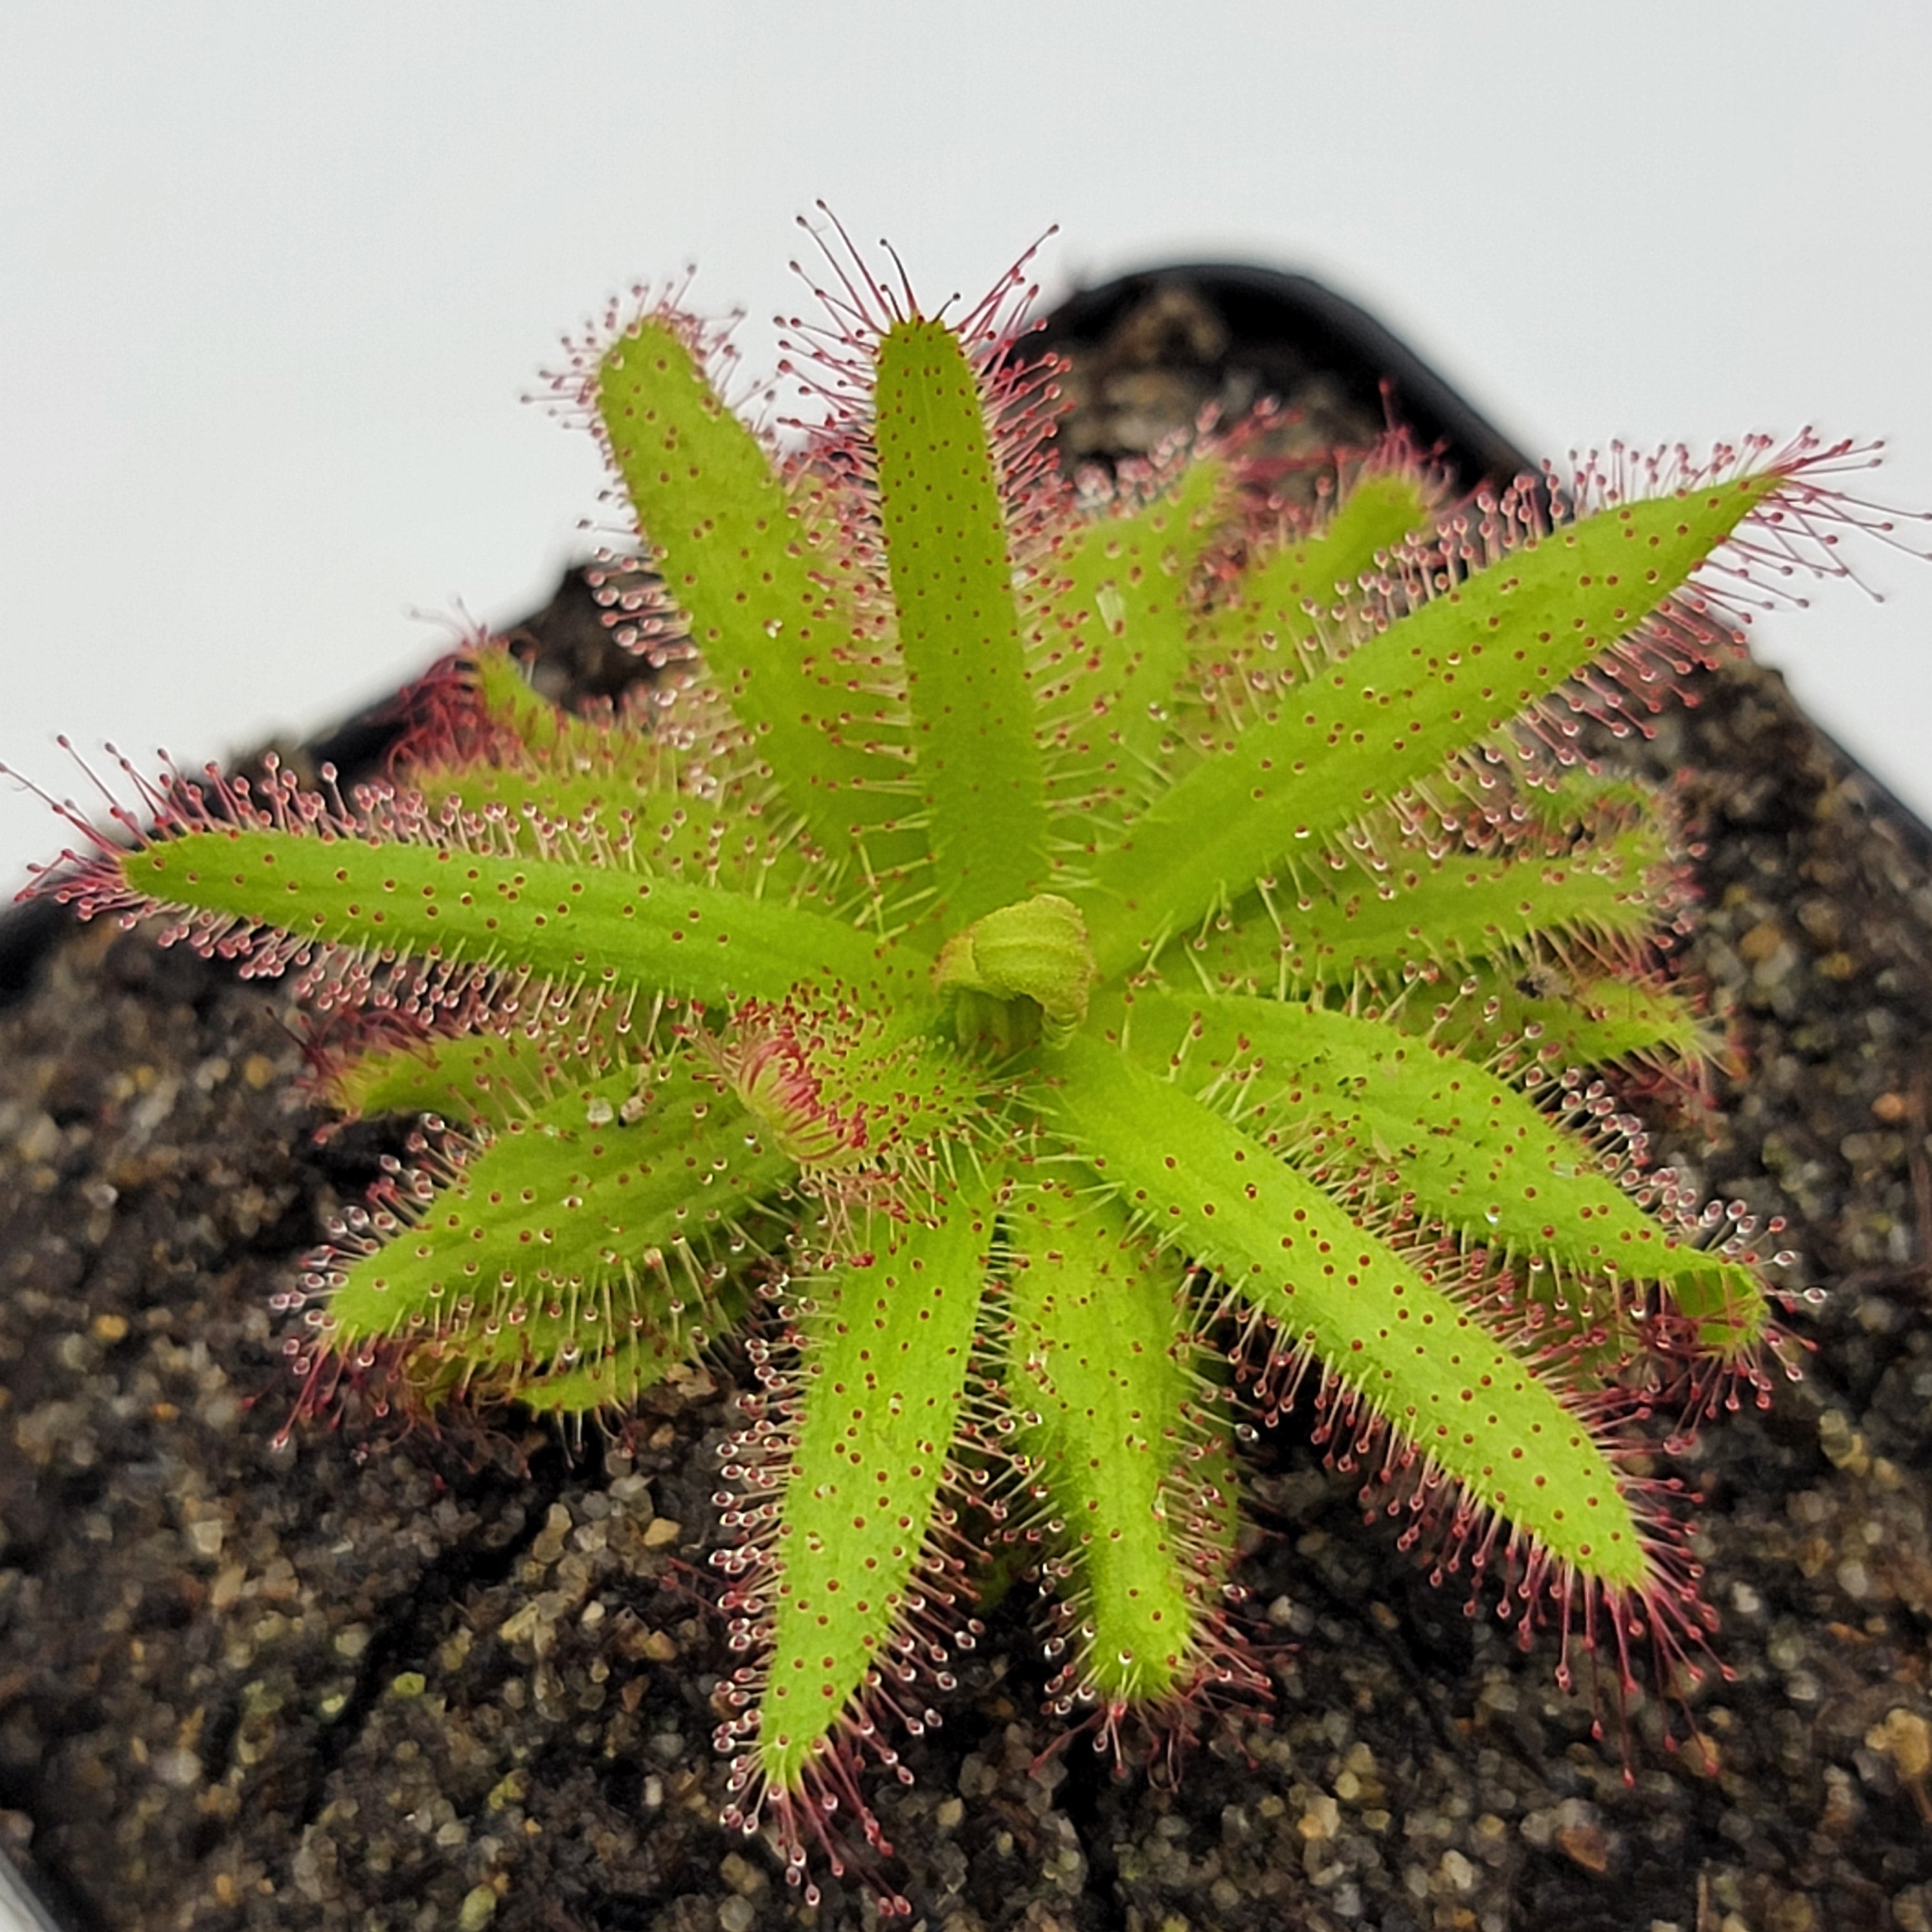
[572, 1240]
[1471, 1151]
[612, 1381]
[489, 1078]
[884, 1350]
[668, 834]
[1097, 1347]
[777, 641]
[634, 760]
[1381, 510]
[1112, 639]
[1588, 1019]
[1424, 1366]
[1439, 680]
[564, 921]
[952, 580]
[1276, 624]
[617, 783]
[1421, 910]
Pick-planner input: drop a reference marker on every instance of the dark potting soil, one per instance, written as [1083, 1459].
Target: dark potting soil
[356, 1679]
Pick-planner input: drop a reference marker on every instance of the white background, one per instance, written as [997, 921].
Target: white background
[274, 278]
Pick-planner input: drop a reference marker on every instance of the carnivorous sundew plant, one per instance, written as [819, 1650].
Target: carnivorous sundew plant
[1061, 967]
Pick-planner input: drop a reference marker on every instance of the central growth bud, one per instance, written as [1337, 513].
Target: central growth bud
[1018, 975]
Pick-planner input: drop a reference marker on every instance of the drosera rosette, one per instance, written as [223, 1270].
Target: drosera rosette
[1062, 969]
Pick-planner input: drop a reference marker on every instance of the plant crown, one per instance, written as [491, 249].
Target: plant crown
[1057, 966]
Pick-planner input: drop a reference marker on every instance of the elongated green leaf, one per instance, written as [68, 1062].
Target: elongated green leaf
[1114, 640]
[1471, 1151]
[631, 759]
[572, 1245]
[883, 1355]
[779, 642]
[1436, 682]
[953, 581]
[614, 1380]
[488, 1077]
[1271, 610]
[1424, 1365]
[563, 921]
[1584, 1019]
[541, 771]
[667, 834]
[1425, 911]
[1098, 1348]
